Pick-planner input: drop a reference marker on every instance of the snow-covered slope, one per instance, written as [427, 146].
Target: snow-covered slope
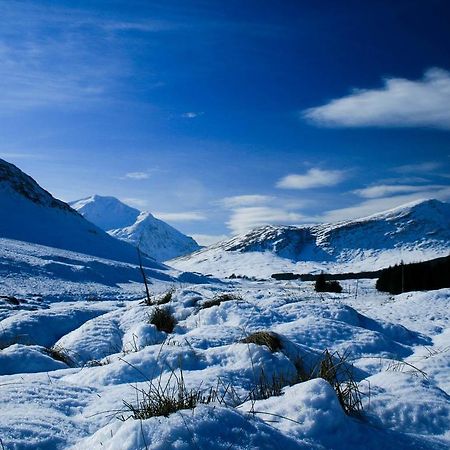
[29, 270]
[153, 236]
[413, 232]
[31, 214]
[108, 213]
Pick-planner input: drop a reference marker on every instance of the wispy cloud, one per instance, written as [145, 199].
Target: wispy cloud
[400, 103]
[376, 205]
[62, 56]
[48, 72]
[311, 179]
[135, 202]
[245, 219]
[145, 26]
[186, 216]
[245, 200]
[209, 239]
[428, 166]
[403, 179]
[383, 190]
[137, 175]
[21, 155]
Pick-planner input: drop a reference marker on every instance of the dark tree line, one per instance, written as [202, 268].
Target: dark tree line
[424, 276]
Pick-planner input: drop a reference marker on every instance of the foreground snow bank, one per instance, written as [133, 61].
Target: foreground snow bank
[27, 359]
[306, 416]
[120, 352]
[205, 427]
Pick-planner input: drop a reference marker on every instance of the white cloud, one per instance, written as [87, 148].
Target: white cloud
[245, 219]
[312, 178]
[209, 239]
[187, 216]
[384, 190]
[377, 205]
[245, 200]
[147, 26]
[428, 166]
[137, 175]
[192, 114]
[400, 103]
[135, 202]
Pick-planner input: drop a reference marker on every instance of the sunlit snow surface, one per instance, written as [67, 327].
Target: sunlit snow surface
[59, 407]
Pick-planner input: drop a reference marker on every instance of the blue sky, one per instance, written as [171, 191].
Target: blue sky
[221, 116]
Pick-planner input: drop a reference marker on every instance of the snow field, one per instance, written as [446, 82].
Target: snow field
[118, 352]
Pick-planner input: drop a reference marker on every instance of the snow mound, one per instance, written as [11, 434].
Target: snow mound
[118, 353]
[19, 358]
[206, 427]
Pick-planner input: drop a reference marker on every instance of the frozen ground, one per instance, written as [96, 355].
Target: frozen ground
[399, 347]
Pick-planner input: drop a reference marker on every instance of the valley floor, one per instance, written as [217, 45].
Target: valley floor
[106, 351]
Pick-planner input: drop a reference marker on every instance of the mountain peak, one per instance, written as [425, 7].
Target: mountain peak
[422, 205]
[31, 214]
[156, 238]
[153, 236]
[108, 213]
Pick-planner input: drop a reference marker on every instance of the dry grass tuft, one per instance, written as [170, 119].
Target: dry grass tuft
[60, 354]
[164, 399]
[267, 338]
[269, 387]
[166, 297]
[335, 368]
[221, 298]
[163, 319]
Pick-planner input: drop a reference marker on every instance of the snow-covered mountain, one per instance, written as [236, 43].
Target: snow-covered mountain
[108, 213]
[412, 232]
[153, 236]
[156, 238]
[31, 214]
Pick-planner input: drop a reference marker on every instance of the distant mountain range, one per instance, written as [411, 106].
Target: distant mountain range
[153, 236]
[413, 232]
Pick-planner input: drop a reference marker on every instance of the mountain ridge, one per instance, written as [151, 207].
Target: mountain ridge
[416, 230]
